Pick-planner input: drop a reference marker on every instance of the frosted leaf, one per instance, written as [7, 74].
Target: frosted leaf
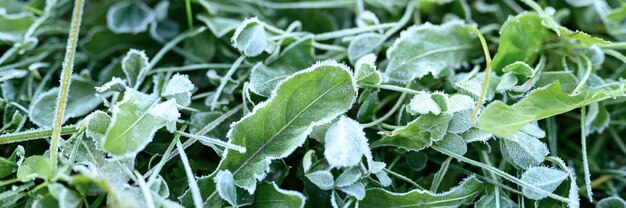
[367, 18]
[461, 121]
[545, 178]
[348, 177]
[356, 189]
[345, 143]
[423, 103]
[365, 70]
[166, 111]
[129, 17]
[383, 178]
[475, 134]
[307, 161]
[507, 82]
[523, 150]
[225, 185]
[250, 38]
[612, 202]
[179, 88]
[116, 84]
[133, 64]
[459, 102]
[322, 179]
[453, 143]
[362, 45]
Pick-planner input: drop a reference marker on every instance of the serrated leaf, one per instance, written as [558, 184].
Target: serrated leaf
[81, 100]
[129, 17]
[465, 193]
[250, 38]
[295, 57]
[323, 179]
[133, 64]
[503, 120]
[418, 134]
[524, 36]
[345, 143]
[545, 178]
[36, 166]
[429, 49]
[313, 96]
[365, 70]
[270, 195]
[135, 120]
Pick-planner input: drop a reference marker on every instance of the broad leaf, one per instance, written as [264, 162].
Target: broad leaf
[129, 17]
[362, 45]
[491, 199]
[251, 38]
[418, 134]
[179, 88]
[429, 49]
[612, 202]
[323, 179]
[503, 120]
[524, 37]
[523, 149]
[37, 166]
[545, 178]
[225, 186]
[270, 195]
[308, 98]
[81, 100]
[135, 120]
[365, 70]
[345, 143]
[133, 64]
[465, 193]
[295, 57]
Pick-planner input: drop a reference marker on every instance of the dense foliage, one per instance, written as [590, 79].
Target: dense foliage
[343, 103]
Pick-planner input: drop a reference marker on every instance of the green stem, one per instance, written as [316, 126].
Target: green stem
[191, 179]
[487, 72]
[392, 88]
[189, 14]
[500, 173]
[583, 141]
[389, 114]
[225, 80]
[585, 76]
[404, 178]
[68, 66]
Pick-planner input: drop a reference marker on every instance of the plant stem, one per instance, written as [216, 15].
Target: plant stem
[68, 66]
[583, 141]
[225, 80]
[191, 180]
[500, 173]
[392, 88]
[189, 14]
[487, 72]
[389, 114]
[404, 178]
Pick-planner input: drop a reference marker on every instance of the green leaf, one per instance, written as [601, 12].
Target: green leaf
[308, 98]
[545, 178]
[425, 103]
[453, 143]
[66, 198]
[348, 177]
[519, 68]
[522, 37]
[225, 185]
[11, 164]
[179, 88]
[428, 48]
[251, 39]
[490, 200]
[597, 119]
[270, 195]
[36, 166]
[503, 120]
[323, 179]
[13, 26]
[81, 100]
[465, 193]
[129, 17]
[418, 134]
[133, 65]
[523, 149]
[612, 202]
[135, 120]
[296, 56]
[97, 124]
[362, 45]
[345, 143]
[357, 190]
[219, 26]
[365, 71]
